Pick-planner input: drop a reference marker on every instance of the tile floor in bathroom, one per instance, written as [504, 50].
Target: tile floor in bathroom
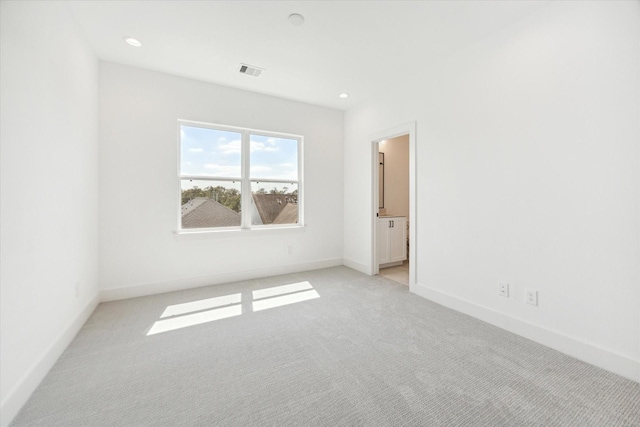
[399, 273]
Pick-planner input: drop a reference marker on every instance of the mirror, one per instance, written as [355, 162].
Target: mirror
[381, 180]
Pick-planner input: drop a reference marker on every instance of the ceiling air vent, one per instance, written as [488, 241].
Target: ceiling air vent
[250, 70]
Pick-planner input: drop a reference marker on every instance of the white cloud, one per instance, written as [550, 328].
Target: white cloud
[233, 147]
[196, 150]
[256, 146]
[261, 146]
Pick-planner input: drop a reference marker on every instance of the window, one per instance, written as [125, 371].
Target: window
[224, 169]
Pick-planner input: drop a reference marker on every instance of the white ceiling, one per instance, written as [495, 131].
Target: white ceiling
[355, 47]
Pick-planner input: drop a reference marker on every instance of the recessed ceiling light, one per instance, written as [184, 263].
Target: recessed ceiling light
[296, 19]
[344, 95]
[132, 41]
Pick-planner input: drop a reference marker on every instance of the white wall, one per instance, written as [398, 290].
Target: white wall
[396, 175]
[139, 250]
[527, 172]
[49, 171]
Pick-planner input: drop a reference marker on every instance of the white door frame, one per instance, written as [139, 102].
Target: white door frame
[404, 129]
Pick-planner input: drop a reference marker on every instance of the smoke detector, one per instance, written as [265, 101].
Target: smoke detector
[250, 70]
[296, 19]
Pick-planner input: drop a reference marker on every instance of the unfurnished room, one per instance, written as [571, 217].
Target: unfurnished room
[319, 213]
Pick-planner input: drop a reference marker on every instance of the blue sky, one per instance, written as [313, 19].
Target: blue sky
[216, 153]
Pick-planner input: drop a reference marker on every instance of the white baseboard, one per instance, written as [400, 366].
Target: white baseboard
[356, 266]
[19, 395]
[589, 353]
[145, 289]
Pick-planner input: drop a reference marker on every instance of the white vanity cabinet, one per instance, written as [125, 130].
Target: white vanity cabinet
[391, 239]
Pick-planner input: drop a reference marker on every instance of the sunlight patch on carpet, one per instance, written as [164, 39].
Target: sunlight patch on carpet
[203, 304]
[195, 319]
[284, 300]
[183, 315]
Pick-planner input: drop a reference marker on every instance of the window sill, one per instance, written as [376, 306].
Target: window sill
[238, 232]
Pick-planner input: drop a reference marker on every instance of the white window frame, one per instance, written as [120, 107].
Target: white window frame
[245, 179]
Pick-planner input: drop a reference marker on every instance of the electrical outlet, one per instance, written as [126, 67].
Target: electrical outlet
[531, 296]
[503, 289]
[290, 249]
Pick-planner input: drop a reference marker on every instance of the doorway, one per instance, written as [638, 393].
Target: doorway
[393, 216]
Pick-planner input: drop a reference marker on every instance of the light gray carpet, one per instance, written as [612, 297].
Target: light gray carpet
[366, 352]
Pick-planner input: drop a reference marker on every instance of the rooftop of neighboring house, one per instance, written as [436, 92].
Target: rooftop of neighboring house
[203, 212]
[277, 208]
[288, 214]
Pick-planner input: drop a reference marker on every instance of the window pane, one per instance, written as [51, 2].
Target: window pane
[274, 203]
[207, 204]
[209, 152]
[273, 158]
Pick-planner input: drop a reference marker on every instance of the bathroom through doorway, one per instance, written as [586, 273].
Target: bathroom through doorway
[393, 209]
